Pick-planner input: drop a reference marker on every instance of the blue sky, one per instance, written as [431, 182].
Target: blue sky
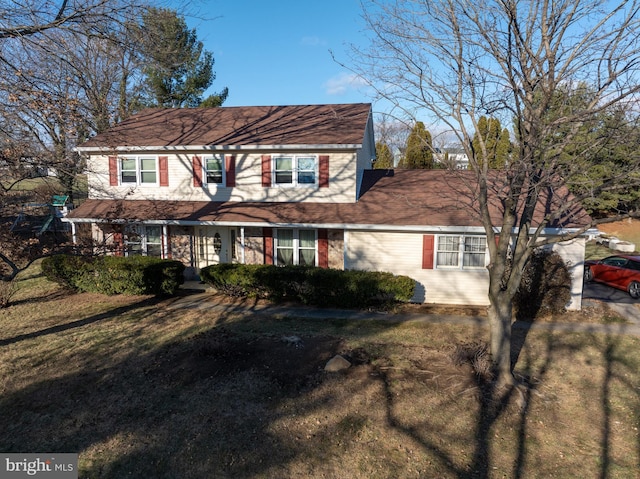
[278, 52]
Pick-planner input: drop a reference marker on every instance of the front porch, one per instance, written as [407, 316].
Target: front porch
[200, 245]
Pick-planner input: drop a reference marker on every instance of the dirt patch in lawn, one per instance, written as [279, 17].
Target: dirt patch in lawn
[289, 361]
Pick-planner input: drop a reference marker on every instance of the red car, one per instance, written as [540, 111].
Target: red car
[622, 272]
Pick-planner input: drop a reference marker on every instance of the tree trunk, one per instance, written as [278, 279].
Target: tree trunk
[500, 314]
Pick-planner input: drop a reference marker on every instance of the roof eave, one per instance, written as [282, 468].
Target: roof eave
[103, 149]
[345, 226]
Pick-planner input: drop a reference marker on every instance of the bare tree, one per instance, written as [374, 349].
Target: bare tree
[66, 72]
[393, 133]
[25, 18]
[458, 60]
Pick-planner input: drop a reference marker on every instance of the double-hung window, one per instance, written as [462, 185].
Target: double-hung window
[139, 170]
[295, 170]
[213, 170]
[461, 252]
[143, 240]
[295, 247]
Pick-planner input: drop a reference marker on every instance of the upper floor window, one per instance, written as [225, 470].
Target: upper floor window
[219, 170]
[139, 170]
[213, 170]
[461, 252]
[295, 170]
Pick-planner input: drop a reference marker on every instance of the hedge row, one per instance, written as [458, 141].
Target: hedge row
[309, 285]
[115, 274]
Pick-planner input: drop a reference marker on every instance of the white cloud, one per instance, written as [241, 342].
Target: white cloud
[342, 83]
[313, 42]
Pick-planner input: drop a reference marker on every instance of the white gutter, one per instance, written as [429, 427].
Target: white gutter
[104, 149]
[344, 226]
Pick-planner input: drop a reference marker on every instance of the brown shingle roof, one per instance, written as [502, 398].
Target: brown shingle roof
[417, 198]
[237, 126]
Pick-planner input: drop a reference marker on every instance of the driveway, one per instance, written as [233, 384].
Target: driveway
[617, 300]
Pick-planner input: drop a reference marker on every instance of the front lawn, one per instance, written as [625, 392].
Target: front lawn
[141, 387]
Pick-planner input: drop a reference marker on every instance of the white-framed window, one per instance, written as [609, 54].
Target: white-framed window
[213, 170]
[294, 246]
[461, 252]
[144, 240]
[139, 170]
[295, 170]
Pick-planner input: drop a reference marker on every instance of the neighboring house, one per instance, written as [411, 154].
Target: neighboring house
[452, 158]
[288, 185]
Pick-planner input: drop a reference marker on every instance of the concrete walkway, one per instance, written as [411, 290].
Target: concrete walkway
[203, 300]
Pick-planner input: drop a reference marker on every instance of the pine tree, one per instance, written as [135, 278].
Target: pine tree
[419, 151]
[384, 157]
[178, 69]
[495, 140]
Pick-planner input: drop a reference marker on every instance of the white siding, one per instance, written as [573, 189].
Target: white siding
[573, 254]
[401, 253]
[342, 181]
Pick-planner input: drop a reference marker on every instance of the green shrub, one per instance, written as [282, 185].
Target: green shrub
[66, 270]
[115, 274]
[309, 285]
[234, 279]
[545, 286]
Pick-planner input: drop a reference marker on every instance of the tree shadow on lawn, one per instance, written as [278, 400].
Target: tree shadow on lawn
[80, 322]
[226, 403]
[44, 298]
[196, 405]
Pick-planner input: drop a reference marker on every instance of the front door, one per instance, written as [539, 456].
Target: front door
[212, 245]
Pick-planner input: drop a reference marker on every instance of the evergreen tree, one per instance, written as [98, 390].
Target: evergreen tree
[492, 142]
[600, 147]
[178, 69]
[384, 157]
[419, 151]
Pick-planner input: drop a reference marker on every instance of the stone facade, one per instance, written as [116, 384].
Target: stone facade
[253, 246]
[336, 249]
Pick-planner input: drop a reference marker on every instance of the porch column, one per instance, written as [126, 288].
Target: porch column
[166, 254]
[74, 238]
[242, 258]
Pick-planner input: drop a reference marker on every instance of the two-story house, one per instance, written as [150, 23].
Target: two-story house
[287, 185]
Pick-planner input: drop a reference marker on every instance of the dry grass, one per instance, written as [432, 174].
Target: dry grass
[144, 388]
[627, 230]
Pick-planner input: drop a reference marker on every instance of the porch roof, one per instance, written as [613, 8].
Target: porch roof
[398, 199]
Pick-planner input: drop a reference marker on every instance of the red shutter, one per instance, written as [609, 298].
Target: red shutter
[113, 171]
[197, 172]
[323, 171]
[118, 241]
[323, 248]
[266, 170]
[267, 234]
[427, 252]
[230, 165]
[163, 167]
